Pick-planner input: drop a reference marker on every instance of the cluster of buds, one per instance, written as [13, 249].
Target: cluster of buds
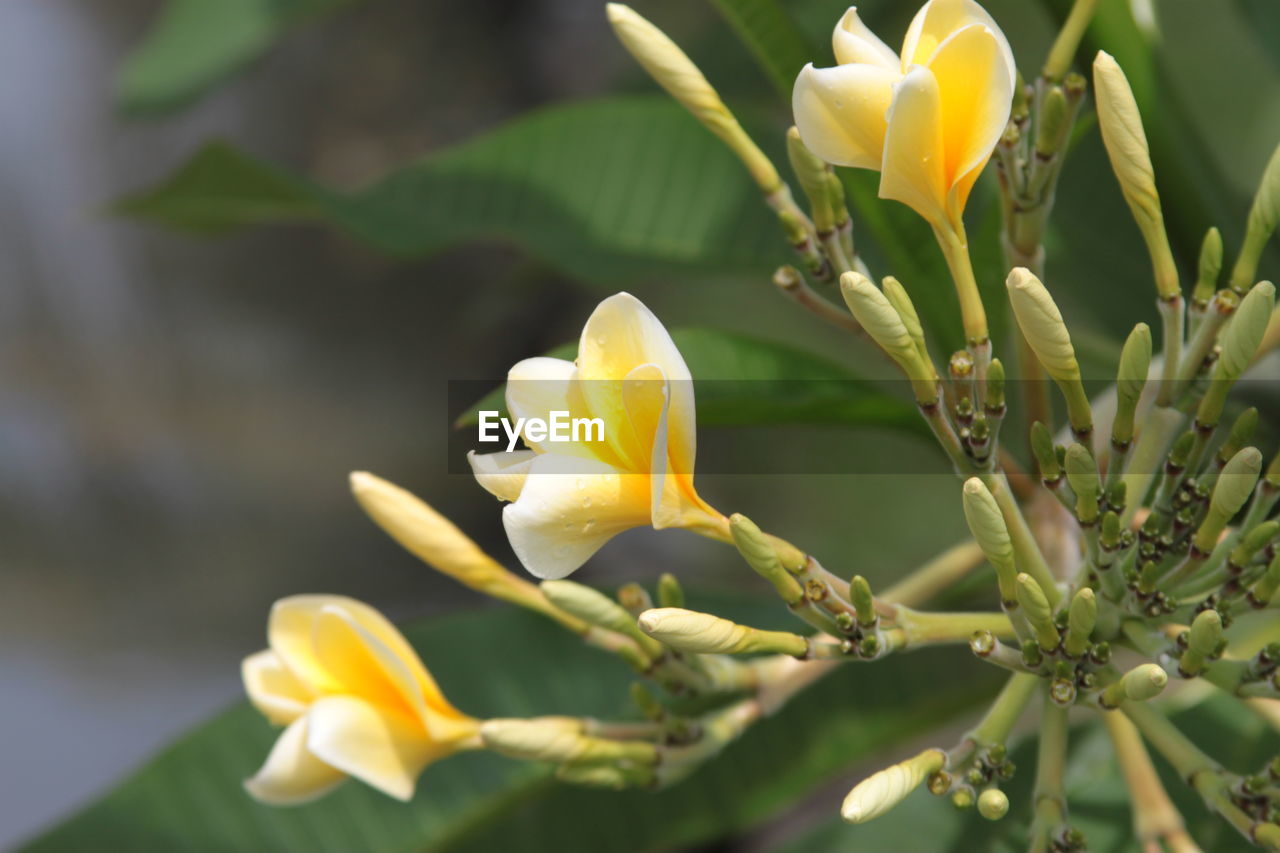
[1172, 567]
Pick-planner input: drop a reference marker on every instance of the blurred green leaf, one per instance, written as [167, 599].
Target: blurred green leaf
[504, 662]
[741, 380]
[603, 189]
[195, 44]
[766, 28]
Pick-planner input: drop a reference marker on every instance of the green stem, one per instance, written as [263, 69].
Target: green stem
[936, 575]
[1068, 40]
[955, 248]
[1051, 759]
[1025, 550]
[1005, 710]
[922, 629]
[1159, 428]
[1172, 317]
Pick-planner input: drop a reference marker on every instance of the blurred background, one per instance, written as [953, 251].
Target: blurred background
[178, 414]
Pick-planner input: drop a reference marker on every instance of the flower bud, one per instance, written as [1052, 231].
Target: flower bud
[1131, 377]
[1045, 452]
[1230, 494]
[1253, 542]
[559, 739]
[992, 535]
[1241, 339]
[863, 601]
[703, 633]
[1038, 612]
[1052, 122]
[1126, 144]
[993, 804]
[1240, 434]
[670, 593]
[1143, 682]
[1263, 217]
[898, 298]
[1264, 589]
[876, 314]
[995, 386]
[1210, 267]
[1082, 615]
[760, 554]
[1047, 335]
[1082, 475]
[812, 173]
[596, 608]
[1205, 642]
[671, 69]
[880, 792]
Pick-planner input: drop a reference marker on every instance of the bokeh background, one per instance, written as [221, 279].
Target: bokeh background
[178, 414]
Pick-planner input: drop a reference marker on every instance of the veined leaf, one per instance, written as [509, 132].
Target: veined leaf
[505, 662]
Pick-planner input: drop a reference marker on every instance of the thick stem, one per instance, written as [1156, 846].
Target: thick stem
[1051, 759]
[1172, 317]
[922, 629]
[955, 248]
[936, 575]
[1154, 815]
[1005, 710]
[1025, 549]
[1068, 41]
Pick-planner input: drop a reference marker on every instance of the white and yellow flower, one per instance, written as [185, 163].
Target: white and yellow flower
[927, 119]
[570, 497]
[354, 698]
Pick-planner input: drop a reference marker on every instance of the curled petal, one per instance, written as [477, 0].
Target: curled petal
[937, 20]
[291, 774]
[569, 508]
[273, 689]
[385, 750]
[853, 42]
[913, 168]
[501, 474]
[536, 387]
[841, 112]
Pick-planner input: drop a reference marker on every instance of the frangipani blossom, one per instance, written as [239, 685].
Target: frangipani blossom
[927, 119]
[354, 698]
[570, 497]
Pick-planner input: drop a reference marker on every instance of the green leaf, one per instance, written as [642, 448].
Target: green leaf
[195, 44]
[773, 38]
[741, 381]
[504, 662]
[603, 189]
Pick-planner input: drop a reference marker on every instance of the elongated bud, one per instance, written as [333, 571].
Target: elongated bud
[1241, 433]
[703, 633]
[1131, 377]
[1264, 589]
[1210, 267]
[1126, 144]
[812, 173]
[880, 792]
[1243, 335]
[863, 601]
[1230, 494]
[610, 777]
[993, 804]
[671, 69]
[992, 535]
[1038, 612]
[898, 298]
[1082, 475]
[1143, 682]
[761, 556]
[596, 608]
[1082, 615]
[670, 593]
[1047, 335]
[435, 540]
[1263, 217]
[995, 386]
[1205, 642]
[1253, 542]
[1052, 122]
[875, 313]
[559, 739]
[1045, 452]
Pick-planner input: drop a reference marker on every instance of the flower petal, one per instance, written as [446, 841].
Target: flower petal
[841, 112]
[291, 774]
[619, 335]
[273, 688]
[501, 474]
[937, 20]
[384, 750]
[569, 508]
[536, 387]
[976, 98]
[853, 42]
[912, 172]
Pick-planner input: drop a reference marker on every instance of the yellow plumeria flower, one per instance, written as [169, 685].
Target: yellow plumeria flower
[570, 497]
[354, 698]
[927, 119]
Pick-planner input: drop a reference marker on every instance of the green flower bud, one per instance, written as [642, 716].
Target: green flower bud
[1143, 682]
[761, 555]
[1052, 121]
[1047, 335]
[634, 598]
[1082, 474]
[863, 601]
[1038, 612]
[1045, 452]
[811, 174]
[1263, 217]
[1131, 377]
[995, 386]
[1252, 542]
[898, 298]
[1205, 642]
[559, 739]
[703, 633]
[597, 609]
[992, 535]
[880, 792]
[1243, 335]
[1082, 615]
[1264, 589]
[1230, 494]
[670, 593]
[876, 314]
[1210, 267]
[1126, 144]
[1242, 430]
[1110, 529]
[993, 804]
